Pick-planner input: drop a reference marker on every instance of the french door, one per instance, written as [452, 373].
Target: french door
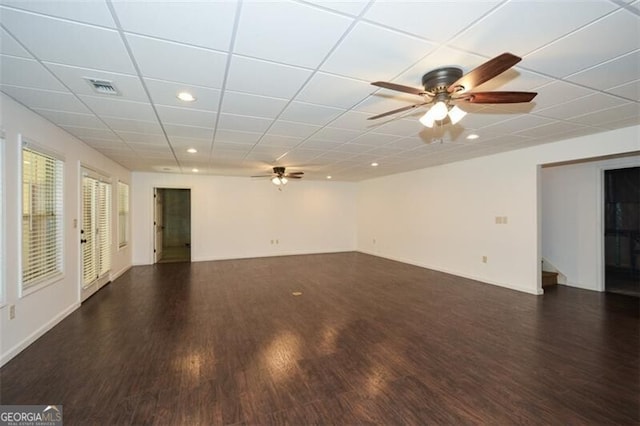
[95, 233]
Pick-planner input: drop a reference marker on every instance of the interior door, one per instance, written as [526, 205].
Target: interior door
[158, 223]
[88, 231]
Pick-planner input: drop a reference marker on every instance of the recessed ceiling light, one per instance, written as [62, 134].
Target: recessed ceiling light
[195, 170]
[192, 150]
[472, 136]
[186, 97]
[374, 164]
[329, 177]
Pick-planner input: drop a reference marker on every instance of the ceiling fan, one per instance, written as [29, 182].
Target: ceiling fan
[446, 87]
[279, 177]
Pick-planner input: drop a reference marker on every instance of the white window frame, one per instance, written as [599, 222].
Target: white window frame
[46, 281]
[3, 229]
[127, 232]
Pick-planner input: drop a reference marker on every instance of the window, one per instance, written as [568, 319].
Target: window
[123, 214]
[41, 217]
[96, 227]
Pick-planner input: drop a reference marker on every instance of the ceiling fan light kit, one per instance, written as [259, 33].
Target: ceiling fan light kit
[280, 177]
[448, 86]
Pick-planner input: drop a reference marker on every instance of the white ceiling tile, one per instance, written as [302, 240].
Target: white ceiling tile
[373, 53]
[186, 116]
[557, 93]
[387, 100]
[350, 7]
[166, 93]
[282, 141]
[112, 107]
[319, 144]
[536, 23]
[569, 55]
[227, 154]
[633, 121]
[33, 98]
[375, 139]
[415, 17]
[515, 79]
[189, 131]
[243, 123]
[255, 106]
[353, 120]
[182, 144]
[399, 127]
[609, 115]
[581, 106]
[170, 61]
[234, 136]
[352, 148]
[82, 132]
[228, 146]
[514, 125]
[265, 78]
[102, 144]
[331, 90]
[62, 118]
[331, 134]
[9, 46]
[67, 43]
[630, 90]
[407, 143]
[136, 126]
[331, 156]
[27, 73]
[616, 72]
[206, 24]
[288, 32]
[549, 129]
[142, 138]
[74, 78]
[91, 12]
[289, 128]
[310, 113]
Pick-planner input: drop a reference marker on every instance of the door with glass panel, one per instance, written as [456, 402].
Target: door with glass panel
[95, 232]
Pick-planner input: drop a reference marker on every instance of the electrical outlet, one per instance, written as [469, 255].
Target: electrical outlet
[498, 220]
[484, 259]
[504, 220]
[271, 241]
[277, 241]
[12, 312]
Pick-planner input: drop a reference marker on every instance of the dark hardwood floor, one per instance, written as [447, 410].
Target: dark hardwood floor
[368, 341]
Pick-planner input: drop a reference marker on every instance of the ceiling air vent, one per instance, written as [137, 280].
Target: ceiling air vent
[104, 87]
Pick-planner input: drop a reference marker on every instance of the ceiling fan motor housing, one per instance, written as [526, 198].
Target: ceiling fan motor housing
[438, 80]
[278, 170]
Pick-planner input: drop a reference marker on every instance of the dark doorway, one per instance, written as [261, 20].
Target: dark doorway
[622, 231]
[173, 225]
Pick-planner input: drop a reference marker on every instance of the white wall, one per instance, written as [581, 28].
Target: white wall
[39, 311]
[236, 217]
[572, 218]
[444, 217]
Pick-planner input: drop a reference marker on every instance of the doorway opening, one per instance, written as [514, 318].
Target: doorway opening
[622, 231]
[172, 225]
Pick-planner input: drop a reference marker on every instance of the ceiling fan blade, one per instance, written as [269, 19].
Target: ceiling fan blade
[484, 72]
[497, 97]
[395, 111]
[261, 176]
[294, 173]
[293, 177]
[400, 88]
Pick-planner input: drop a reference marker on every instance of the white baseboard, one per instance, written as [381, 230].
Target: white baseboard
[255, 256]
[456, 273]
[8, 355]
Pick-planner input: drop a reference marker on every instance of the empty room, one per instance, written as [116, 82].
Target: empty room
[320, 212]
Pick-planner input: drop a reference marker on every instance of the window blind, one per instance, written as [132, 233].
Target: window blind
[96, 229]
[123, 214]
[89, 267]
[41, 217]
[104, 227]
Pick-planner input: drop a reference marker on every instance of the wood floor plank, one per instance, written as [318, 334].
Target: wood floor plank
[369, 341]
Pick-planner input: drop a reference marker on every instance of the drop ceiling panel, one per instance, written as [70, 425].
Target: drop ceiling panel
[136, 126]
[265, 78]
[558, 93]
[374, 139]
[352, 7]
[44, 99]
[170, 61]
[62, 118]
[186, 116]
[414, 16]
[206, 24]
[331, 134]
[109, 106]
[9, 46]
[310, 113]
[280, 141]
[142, 138]
[609, 115]
[371, 53]
[289, 128]
[189, 131]
[344, 92]
[533, 23]
[234, 136]
[616, 72]
[288, 32]
[90, 12]
[81, 132]
[66, 42]
[581, 106]
[255, 106]
[629, 91]
[27, 73]
[571, 54]
[74, 78]
[243, 123]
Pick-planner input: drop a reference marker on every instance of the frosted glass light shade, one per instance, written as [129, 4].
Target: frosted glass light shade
[456, 114]
[427, 119]
[439, 111]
